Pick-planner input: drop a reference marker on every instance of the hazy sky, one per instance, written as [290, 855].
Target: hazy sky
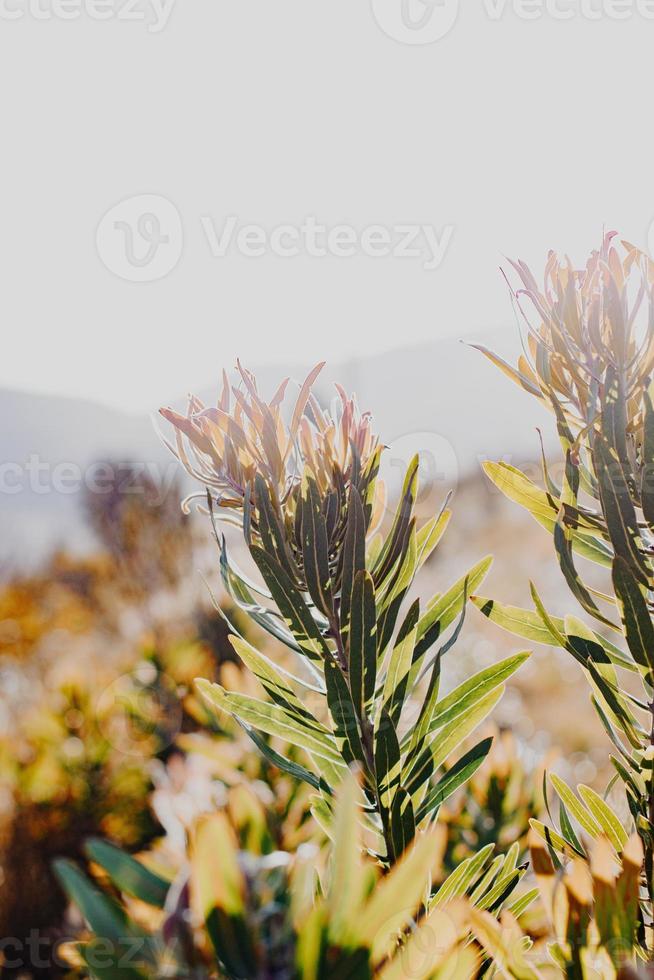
[505, 136]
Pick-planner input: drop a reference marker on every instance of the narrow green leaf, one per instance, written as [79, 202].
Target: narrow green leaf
[633, 781]
[503, 887]
[568, 830]
[614, 415]
[486, 880]
[272, 719]
[430, 534]
[292, 606]
[354, 556]
[362, 646]
[647, 481]
[403, 571]
[399, 666]
[554, 840]
[563, 547]
[582, 643]
[420, 730]
[322, 813]
[474, 689]
[511, 858]
[344, 714]
[549, 621]
[270, 529]
[248, 597]
[402, 822]
[455, 777]
[281, 761]
[392, 547]
[615, 705]
[517, 487]
[619, 511]
[219, 889]
[387, 759]
[387, 774]
[604, 815]
[128, 874]
[462, 878]
[315, 548]
[610, 730]
[444, 609]
[271, 679]
[639, 630]
[521, 904]
[520, 622]
[517, 376]
[390, 601]
[104, 916]
[449, 738]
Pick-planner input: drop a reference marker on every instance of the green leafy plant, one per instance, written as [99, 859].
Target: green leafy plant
[496, 805]
[590, 360]
[353, 685]
[311, 916]
[361, 682]
[592, 911]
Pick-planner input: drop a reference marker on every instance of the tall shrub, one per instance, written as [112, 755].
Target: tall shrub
[589, 358]
[362, 685]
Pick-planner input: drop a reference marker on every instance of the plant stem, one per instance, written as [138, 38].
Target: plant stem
[647, 844]
[366, 732]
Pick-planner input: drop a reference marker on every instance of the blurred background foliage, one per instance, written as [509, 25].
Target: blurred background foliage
[102, 735]
[115, 774]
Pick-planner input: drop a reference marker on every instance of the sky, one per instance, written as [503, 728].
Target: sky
[187, 182]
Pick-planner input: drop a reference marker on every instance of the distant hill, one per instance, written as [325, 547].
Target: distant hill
[47, 448]
[443, 399]
[446, 388]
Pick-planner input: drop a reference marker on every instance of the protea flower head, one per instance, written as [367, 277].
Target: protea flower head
[227, 446]
[258, 466]
[593, 327]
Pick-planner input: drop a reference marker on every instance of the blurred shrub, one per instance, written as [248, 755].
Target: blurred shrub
[589, 358]
[320, 913]
[76, 761]
[65, 595]
[591, 911]
[362, 677]
[496, 805]
[141, 526]
[96, 685]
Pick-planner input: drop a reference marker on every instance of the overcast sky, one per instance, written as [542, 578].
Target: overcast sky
[505, 136]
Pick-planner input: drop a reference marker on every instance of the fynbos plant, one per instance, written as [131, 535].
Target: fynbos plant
[592, 913]
[364, 687]
[591, 357]
[254, 916]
